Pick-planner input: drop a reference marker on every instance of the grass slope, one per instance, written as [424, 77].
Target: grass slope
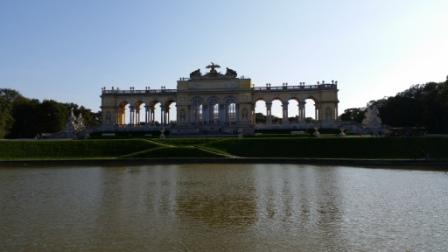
[325, 147]
[32, 149]
[173, 152]
[407, 148]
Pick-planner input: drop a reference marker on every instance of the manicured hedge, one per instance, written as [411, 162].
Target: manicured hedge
[335, 147]
[30, 149]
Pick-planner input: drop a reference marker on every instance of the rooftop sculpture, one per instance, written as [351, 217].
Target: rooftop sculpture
[213, 73]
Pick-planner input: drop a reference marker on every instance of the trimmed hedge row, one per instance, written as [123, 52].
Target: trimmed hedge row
[30, 149]
[360, 147]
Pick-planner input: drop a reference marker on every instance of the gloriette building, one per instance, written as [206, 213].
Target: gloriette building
[216, 103]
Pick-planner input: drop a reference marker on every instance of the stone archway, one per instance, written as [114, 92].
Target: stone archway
[260, 112]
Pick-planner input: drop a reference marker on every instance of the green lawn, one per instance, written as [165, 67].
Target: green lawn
[38, 149]
[337, 147]
[277, 147]
[173, 152]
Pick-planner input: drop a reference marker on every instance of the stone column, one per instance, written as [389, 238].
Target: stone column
[204, 113]
[152, 114]
[188, 117]
[301, 111]
[195, 114]
[316, 111]
[252, 114]
[137, 116]
[336, 116]
[222, 113]
[131, 115]
[285, 119]
[237, 113]
[162, 112]
[147, 118]
[211, 113]
[117, 116]
[167, 115]
[268, 113]
[178, 109]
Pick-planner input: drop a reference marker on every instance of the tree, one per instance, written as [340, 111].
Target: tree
[353, 114]
[25, 114]
[260, 118]
[52, 116]
[7, 97]
[6, 119]
[419, 106]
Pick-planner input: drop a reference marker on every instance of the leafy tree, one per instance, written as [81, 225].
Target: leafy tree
[419, 106]
[353, 114]
[6, 119]
[7, 97]
[25, 114]
[260, 118]
[52, 116]
[21, 117]
[424, 105]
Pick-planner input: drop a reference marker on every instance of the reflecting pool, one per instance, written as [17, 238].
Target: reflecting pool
[216, 207]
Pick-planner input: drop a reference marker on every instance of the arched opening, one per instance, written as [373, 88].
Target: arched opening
[196, 110]
[122, 116]
[200, 113]
[141, 110]
[215, 110]
[157, 113]
[293, 110]
[310, 109]
[260, 111]
[277, 111]
[212, 110]
[127, 115]
[172, 113]
[231, 111]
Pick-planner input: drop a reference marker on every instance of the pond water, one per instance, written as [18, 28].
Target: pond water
[216, 207]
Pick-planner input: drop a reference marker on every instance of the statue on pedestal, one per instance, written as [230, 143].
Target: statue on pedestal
[372, 121]
[231, 73]
[196, 74]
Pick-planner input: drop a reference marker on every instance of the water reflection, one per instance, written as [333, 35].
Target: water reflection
[302, 204]
[222, 207]
[216, 196]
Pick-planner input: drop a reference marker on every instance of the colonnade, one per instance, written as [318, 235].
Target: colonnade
[219, 113]
[149, 115]
[208, 114]
[285, 118]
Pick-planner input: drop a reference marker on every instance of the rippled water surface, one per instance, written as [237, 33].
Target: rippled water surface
[223, 207]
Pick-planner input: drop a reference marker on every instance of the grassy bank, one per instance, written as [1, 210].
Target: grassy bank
[35, 149]
[278, 147]
[356, 147]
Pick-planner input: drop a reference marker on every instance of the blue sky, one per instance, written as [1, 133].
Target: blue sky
[68, 50]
